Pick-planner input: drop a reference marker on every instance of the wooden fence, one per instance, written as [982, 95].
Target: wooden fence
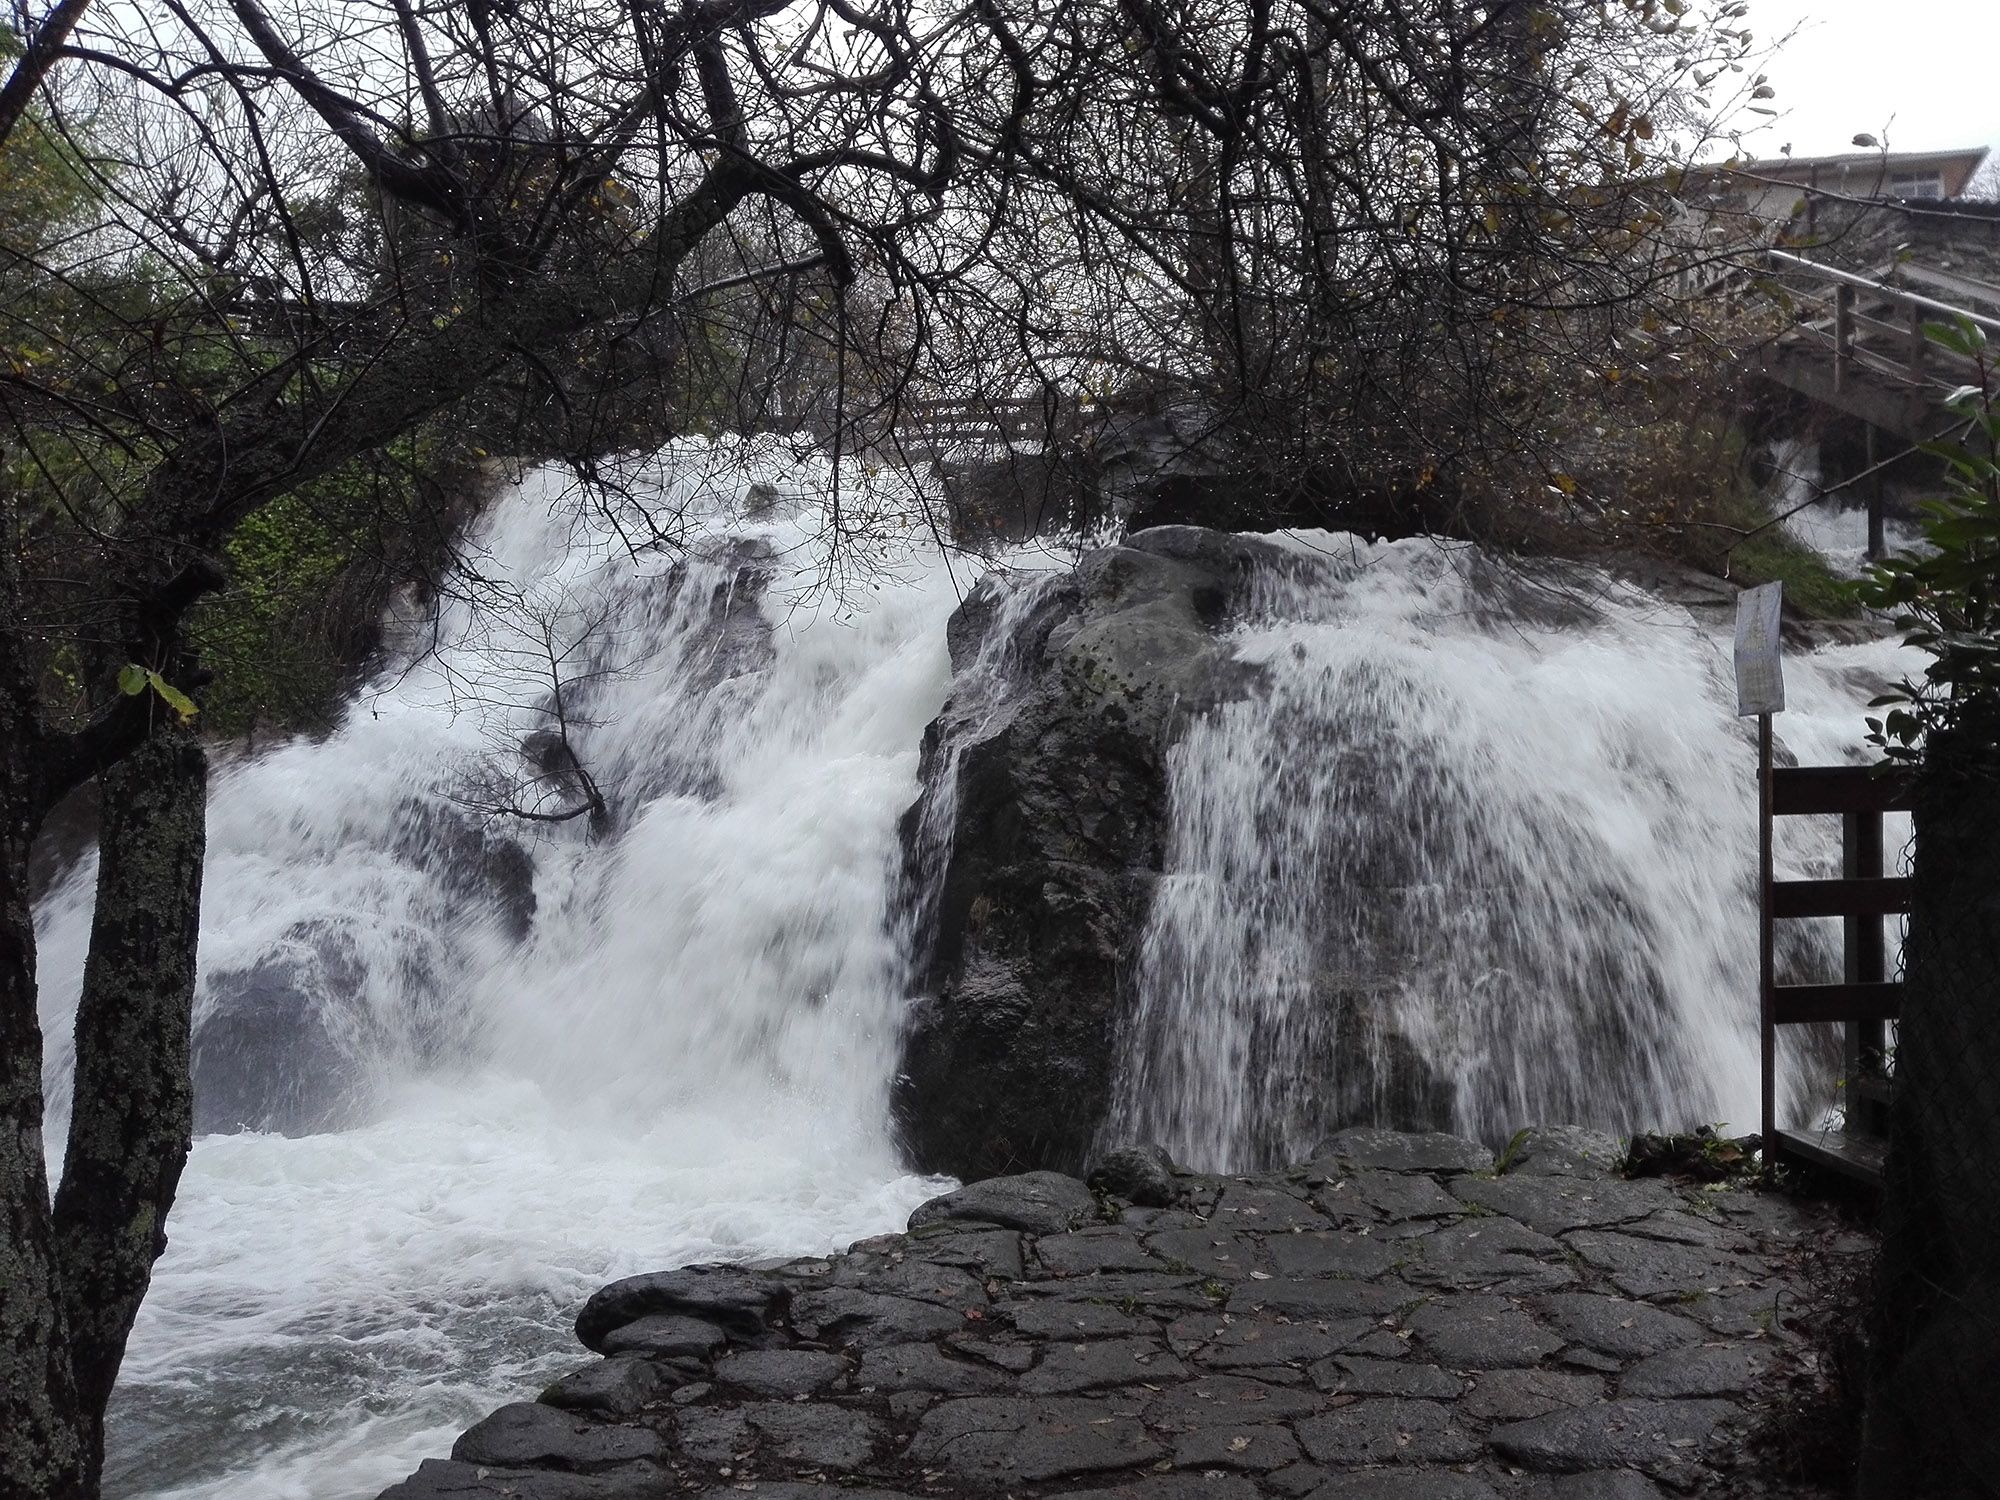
[1866, 999]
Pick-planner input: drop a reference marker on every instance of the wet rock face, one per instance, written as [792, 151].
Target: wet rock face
[285, 1042]
[1376, 1323]
[1141, 1175]
[269, 1050]
[1056, 808]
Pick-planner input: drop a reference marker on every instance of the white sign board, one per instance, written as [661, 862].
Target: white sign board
[1760, 671]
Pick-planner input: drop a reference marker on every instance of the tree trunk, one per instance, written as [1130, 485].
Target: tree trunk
[133, 1116]
[1934, 1378]
[41, 1446]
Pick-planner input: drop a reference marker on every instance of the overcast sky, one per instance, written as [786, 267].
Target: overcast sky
[1927, 70]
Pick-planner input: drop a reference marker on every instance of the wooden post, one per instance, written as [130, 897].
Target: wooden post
[1843, 333]
[1864, 959]
[1877, 542]
[1915, 359]
[1766, 957]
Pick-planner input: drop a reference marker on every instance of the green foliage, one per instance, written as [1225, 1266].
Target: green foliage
[306, 573]
[1947, 600]
[43, 190]
[134, 679]
[1759, 550]
[1811, 587]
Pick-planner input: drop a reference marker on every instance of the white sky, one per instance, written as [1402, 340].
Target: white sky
[1922, 75]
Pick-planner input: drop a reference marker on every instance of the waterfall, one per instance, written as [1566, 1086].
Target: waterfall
[515, 1059]
[1481, 853]
[457, 1068]
[1834, 525]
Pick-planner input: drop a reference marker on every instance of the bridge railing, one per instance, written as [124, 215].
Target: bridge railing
[942, 427]
[1859, 339]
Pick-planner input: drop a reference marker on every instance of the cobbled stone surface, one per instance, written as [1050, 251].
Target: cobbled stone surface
[1617, 1325]
[1392, 1320]
[609, 1387]
[927, 1367]
[1719, 1370]
[666, 1336]
[442, 1479]
[1662, 1438]
[529, 1434]
[1554, 1204]
[1373, 1484]
[1403, 1151]
[781, 1372]
[1384, 1198]
[1517, 1395]
[1034, 1202]
[1562, 1151]
[1481, 1332]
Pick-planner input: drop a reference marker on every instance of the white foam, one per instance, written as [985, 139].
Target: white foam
[688, 1056]
[1512, 825]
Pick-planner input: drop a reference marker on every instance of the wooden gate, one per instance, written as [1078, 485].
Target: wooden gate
[1866, 999]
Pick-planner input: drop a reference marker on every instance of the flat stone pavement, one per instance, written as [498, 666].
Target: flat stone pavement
[1392, 1319]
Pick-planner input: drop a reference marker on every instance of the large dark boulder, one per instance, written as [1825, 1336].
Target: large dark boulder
[729, 1298]
[1041, 833]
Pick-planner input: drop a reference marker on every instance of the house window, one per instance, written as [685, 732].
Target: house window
[1917, 185]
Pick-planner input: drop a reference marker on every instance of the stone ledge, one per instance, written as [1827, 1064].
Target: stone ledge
[1390, 1319]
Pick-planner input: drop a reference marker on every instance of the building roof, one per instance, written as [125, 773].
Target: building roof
[1803, 169]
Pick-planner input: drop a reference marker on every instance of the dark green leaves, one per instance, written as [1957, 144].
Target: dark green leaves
[1947, 602]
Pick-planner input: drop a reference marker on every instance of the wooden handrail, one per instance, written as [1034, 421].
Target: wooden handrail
[1857, 896]
[1805, 1004]
[1883, 289]
[1802, 790]
[1866, 998]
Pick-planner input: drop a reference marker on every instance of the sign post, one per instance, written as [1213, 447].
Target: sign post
[1760, 690]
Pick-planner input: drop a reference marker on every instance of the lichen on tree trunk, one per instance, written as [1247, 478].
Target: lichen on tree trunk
[133, 1115]
[72, 1274]
[40, 1442]
[41, 1447]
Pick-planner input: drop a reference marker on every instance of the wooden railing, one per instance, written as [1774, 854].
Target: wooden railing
[1859, 347]
[1869, 327]
[935, 428]
[1866, 999]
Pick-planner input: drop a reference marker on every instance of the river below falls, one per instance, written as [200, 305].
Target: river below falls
[335, 1308]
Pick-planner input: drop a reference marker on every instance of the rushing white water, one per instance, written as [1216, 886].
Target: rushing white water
[515, 1059]
[684, 1056]
[1481, 853]
[1834, 526]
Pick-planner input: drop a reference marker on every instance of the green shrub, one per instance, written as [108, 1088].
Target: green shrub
[1947, 599]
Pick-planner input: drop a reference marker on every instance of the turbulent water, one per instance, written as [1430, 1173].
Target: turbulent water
[1485, 850]
[513, 1059]
[1835, 526]
[685, 1056]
